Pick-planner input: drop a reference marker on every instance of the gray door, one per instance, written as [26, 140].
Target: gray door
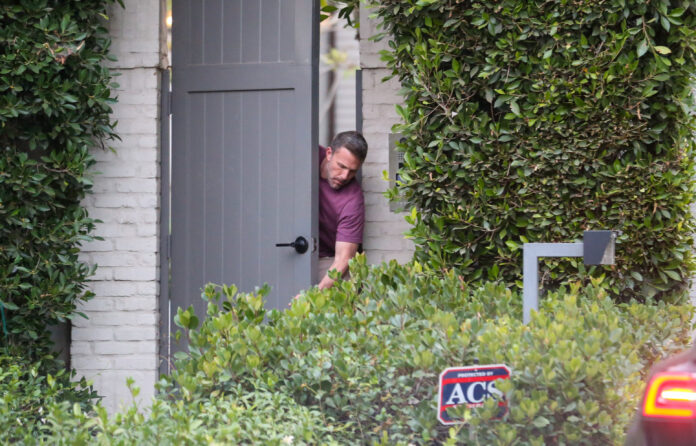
[244, 157]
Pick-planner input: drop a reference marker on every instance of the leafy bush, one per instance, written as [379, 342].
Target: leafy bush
[367, 354]
[54, 106]
[534, 121]
[28, 391]
[259, 417]
[359, 364]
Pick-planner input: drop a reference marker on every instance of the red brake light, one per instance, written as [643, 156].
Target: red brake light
[671, 395]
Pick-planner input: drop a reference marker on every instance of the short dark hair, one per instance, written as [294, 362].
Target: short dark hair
[353, 141]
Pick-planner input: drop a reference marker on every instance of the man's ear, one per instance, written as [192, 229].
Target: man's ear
[329, 152]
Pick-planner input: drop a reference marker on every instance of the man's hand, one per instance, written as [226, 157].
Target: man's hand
[344, 252]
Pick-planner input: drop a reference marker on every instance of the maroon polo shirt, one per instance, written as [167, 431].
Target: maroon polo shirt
[341, 213]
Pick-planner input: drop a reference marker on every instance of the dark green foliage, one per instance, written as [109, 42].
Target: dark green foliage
[537, 120]
[28, 390]
[367, 354]
[238, 417]
[54, 106]
[359, 363]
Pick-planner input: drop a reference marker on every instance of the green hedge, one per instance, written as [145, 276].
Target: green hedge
[28, 391]
[532, 121]
[359, 363]
[238, 417]
[55, 101]
[368, 354]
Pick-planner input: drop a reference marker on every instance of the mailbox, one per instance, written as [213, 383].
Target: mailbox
[598, 247]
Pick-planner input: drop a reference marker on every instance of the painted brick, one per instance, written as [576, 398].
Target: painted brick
[97, 245]
[383, 239]
[375, 199]
[379, 111]
[114, 169]
[104, 273]
[147, 230]
[125, 198]
[113, 200]
[97, 304]
[135, 333]
[135, 34]
[116, 258]
[124, 216]
[137, 125]
[112, 385]
[123, 318]
[140, 244]
[124, 347]
[127, 111]
[370, 59]
[110, 230]
[148, 171]
[132, 153]
[90, 362]
[90, 333]
[136, 303]
[147, 141]
[136, 273]
[81, 348]
[380, 213]
[382, 96]
[148, 288]
[385, 242]
[376, 257]
[116, 289]
[138, 185]
[374, 184]
[137, 362]
[147, 200]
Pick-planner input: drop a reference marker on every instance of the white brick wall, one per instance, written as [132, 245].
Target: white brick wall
[120, 337]
[383, 239]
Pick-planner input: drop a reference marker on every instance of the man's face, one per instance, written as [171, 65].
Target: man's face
[341, 167]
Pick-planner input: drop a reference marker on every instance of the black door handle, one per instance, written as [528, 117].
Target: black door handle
[300, 244]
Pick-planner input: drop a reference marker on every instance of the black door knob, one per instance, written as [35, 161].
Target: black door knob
[300, 244]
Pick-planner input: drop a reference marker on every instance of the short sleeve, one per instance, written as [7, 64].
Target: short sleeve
[352, 220]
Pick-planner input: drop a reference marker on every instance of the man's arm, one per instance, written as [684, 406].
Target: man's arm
[344, 252]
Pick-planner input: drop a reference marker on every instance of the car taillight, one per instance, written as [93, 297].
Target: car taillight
[671, 395]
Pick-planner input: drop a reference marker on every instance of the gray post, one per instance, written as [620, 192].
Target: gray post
[530, 270]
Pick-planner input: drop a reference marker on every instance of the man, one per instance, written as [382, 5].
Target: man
[341, 204]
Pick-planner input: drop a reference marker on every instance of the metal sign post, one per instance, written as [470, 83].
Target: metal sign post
[597, 248]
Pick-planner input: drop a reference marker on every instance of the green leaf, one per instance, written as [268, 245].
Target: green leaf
[540, 422]
[642, 48]
[662, 49]
[515, 108]
[672, 274]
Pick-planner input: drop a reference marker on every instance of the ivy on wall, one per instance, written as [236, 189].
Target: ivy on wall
[55, 105]
[532, 121]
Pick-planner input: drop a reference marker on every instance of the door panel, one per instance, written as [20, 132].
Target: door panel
[244, 138]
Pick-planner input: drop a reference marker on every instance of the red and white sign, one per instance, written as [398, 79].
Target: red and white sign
[471, 386]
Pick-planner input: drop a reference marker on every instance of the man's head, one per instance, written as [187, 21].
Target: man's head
[343, 158]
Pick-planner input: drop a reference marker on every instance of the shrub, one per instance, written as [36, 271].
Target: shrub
[28, 390]
[367, 354]
[534, 121]
[236, 417]
[359, 363]
[54, 106]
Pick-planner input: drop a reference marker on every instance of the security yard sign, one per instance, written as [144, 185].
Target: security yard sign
[471, 386]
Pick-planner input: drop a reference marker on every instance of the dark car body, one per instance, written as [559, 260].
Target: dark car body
[667, 413]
